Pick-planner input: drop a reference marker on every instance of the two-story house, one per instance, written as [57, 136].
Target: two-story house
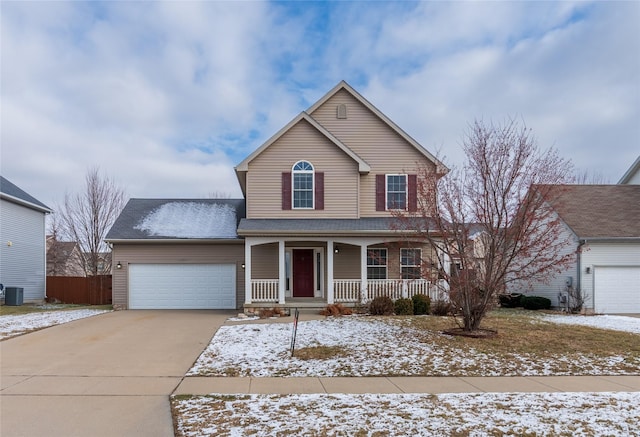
[316, 225]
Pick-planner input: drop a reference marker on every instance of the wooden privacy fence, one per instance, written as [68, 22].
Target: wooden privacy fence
[90, 290]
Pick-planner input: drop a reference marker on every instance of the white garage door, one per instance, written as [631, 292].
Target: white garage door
[182, 286]
[617, 289]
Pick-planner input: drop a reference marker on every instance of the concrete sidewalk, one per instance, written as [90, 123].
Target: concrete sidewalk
[408, 384]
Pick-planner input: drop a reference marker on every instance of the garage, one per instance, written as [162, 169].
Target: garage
[617, 289]
[182, 286]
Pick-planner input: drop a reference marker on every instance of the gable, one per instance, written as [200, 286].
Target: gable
[264, 180]
[366, 120]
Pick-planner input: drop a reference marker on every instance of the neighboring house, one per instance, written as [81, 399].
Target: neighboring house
[318, 227]
[632, 176]
[63, 258]
[603, 226]
[22, 241]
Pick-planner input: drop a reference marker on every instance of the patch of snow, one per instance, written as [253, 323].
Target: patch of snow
[576, 414]
[262, 350]
[190, 220]
[616, 323]
[17, 324]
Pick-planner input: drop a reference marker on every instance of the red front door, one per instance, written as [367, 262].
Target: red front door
[303, 273]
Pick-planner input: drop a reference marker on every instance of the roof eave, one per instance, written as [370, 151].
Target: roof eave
[174, 240]
[25, 203]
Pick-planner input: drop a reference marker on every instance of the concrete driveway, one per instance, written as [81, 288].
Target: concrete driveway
[107, 375]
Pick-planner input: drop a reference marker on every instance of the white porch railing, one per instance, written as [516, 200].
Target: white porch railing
[348, 290]
[264, 290]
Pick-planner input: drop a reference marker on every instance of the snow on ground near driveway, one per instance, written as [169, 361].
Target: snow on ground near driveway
[373, 347]
[561, 414]
[16, 324]
[616, 323]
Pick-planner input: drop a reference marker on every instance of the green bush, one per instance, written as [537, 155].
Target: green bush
[403, 307]
[421, 304]
[381, 306]
[535, 303]
[510, 300]
[441, 308]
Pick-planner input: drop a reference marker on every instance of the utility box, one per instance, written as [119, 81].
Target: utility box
[13, 296]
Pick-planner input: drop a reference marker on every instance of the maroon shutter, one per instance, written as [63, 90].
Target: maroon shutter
[286, 190]
[412, 194]
[380, 192]
[319, 190]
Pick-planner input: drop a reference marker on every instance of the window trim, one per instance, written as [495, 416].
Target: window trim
[295, 172]
[385, 265]
[411, 266]
[386, 191]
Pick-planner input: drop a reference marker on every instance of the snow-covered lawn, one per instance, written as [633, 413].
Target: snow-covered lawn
[616, 323]
[18, 324]
[460, 414]
[365, 346]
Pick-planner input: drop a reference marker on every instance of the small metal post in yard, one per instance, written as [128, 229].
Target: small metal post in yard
[295, 330]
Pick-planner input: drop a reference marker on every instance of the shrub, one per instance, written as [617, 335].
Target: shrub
[403, 307]
[441, 308]
[381, 306]
[421, 304]
[510, 300]
[336, 310]
[535, 303]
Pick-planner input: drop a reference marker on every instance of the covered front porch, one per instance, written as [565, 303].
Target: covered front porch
[315, 272]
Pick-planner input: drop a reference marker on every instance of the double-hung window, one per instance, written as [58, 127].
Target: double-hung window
[410, 260]
[302, 182]
[377, 264]
[396, 191]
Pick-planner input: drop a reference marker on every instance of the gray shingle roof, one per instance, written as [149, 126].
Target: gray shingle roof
[600, 211]
[319, 226]
[179, 219]
[12, 192]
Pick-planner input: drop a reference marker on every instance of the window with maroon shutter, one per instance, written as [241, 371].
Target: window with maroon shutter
[303, 175]
[319, 190]
[381, 191]
[412, 192]
[286, 190]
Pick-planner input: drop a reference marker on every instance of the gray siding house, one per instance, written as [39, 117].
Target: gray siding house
[22, 241]
[602, 222]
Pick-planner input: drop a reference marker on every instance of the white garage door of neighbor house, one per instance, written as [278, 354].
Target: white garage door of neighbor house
[617, 289]
[182, 286]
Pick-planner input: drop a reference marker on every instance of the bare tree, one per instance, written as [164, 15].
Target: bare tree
[55, 255]
[491, 220]
[86, 218]
[591, 178]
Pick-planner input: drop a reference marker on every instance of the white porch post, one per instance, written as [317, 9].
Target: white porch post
[247, 271]
[329, 272]
[363, 272]
[281, 272]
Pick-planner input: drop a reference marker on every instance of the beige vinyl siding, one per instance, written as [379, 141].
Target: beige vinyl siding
[346, 263]
[154, 253]
[264, 261]
[374, 141]
[302, 142]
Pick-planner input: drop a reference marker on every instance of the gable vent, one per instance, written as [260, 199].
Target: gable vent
[342, 111]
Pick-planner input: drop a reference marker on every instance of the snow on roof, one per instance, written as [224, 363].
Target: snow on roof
[190, 220]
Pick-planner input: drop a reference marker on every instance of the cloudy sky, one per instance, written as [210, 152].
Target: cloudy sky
[167, 97]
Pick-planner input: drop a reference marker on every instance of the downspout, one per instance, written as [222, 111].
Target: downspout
[579, 276]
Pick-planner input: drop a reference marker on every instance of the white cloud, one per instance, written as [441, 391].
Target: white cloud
[167, 96]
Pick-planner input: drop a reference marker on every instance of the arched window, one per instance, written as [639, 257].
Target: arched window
[302, 185]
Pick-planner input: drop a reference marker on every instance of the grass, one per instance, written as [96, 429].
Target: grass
[521, 332]
[320, 352]
[6, 310]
